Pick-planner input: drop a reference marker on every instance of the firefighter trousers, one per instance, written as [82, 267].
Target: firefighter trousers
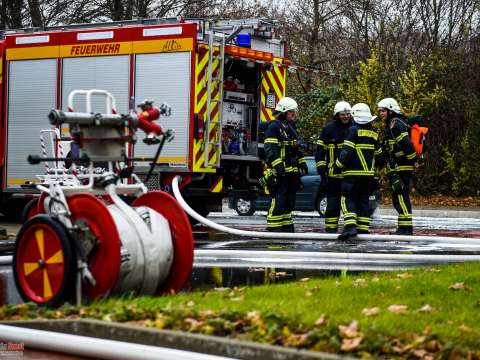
[279, 218]
[355, 203]
[401, 202]
[332, 213]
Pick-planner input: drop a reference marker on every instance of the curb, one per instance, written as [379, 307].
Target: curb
[213, 345]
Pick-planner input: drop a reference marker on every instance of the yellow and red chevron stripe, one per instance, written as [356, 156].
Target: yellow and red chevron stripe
[201, 94]
[217, 186]
[273, 82]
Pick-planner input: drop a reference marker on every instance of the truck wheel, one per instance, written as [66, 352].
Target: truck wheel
[322, 206]
[44, 263]
[244, 207]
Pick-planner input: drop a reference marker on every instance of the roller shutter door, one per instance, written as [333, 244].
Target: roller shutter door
[109, 73]
[165, 77]
[31, 95]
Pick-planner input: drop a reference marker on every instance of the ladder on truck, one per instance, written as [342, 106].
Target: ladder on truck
[214, 81]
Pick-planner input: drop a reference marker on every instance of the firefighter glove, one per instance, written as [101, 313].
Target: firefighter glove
[322, 171]
[303, 168]
[336, 169]
[268, 180]
[280, 169]
[165, 109]
[396, 182]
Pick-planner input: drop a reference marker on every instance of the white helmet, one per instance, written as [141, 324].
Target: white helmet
[390, 104]
[361, 114]
[342, 107]
[286, 104]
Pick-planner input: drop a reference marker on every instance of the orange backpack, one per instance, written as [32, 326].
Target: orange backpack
[417, 132]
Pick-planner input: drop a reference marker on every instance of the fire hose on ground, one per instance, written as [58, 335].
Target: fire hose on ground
[214, 256]
[311, 236]
[93, 347]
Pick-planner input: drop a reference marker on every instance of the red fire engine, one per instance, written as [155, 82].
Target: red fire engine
[221, 79]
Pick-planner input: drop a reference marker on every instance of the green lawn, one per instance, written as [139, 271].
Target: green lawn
[438, 313]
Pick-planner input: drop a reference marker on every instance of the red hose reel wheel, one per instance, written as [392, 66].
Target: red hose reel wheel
[104, 260]
[182, 237]
[44, 263]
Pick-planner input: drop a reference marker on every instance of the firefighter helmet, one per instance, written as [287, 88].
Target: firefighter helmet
[286, 104]
[361, 114]
[389, 104]
[342, 107]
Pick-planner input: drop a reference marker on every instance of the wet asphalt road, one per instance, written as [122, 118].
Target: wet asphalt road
[467, 228]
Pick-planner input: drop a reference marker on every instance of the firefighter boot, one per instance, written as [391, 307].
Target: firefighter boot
[404, 231]
[348, 232]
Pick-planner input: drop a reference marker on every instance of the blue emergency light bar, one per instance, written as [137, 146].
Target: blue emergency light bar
[244, 40]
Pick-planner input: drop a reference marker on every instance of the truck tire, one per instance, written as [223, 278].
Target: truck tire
[321, 206]
[244, 207]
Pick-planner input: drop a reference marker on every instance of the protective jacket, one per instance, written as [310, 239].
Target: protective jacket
[329, 146]
[361, 149]
[400, 151]
[281, 148]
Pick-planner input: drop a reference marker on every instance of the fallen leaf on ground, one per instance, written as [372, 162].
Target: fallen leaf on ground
[221, 289]
[296, 340]
[419, 353]
[359, 283]
[460, 286]
[194, 324]
[433, 345]
[418, 340]
[350, 331]
[207, 314]
[426, 308]
[465, 328]
[398, 309]
[253, 315]
[322, 320]
[371, 312]
[350, 344]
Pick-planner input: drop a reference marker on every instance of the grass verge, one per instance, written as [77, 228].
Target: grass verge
[424, 313]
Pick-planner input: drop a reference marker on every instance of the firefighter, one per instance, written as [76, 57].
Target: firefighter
[356, 162]
[401, 157]
[285, 164]
[328, 148]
